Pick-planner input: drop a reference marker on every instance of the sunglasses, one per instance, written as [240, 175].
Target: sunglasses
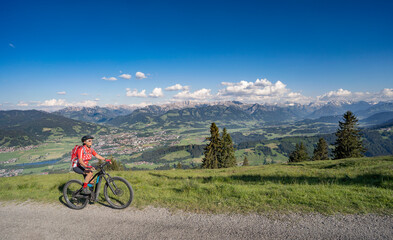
[89, 140]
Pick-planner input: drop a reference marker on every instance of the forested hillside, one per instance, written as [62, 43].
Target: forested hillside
[22, 128]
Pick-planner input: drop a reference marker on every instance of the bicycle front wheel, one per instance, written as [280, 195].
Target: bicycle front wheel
[118, 192]
[72, 195]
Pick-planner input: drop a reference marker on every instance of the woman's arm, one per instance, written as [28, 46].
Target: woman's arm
[100, 157]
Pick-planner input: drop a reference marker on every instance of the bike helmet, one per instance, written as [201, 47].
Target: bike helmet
[84, 138]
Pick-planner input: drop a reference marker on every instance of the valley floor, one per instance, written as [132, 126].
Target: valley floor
[56, 221]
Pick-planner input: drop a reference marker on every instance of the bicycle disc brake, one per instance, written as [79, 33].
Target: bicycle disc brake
[118, 192]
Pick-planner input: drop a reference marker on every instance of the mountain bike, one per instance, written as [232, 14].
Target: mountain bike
[117, 191]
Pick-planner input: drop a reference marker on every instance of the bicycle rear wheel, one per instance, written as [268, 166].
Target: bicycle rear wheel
[119, 194]
[72, 195]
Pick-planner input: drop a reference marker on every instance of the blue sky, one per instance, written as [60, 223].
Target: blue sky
[56, 53]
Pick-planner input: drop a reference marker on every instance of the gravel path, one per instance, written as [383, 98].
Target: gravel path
[48, 221]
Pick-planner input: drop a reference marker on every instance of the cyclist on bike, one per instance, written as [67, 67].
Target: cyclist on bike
[85, 154]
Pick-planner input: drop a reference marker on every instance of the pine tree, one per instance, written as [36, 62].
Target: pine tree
[245, 161]
[348, 143]
[300, 154]
[213, 149]
[227, 158]
[321, 151]
[179, 166]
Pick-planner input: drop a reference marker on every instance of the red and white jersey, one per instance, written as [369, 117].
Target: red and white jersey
[86, 154]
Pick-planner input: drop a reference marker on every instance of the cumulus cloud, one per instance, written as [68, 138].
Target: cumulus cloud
[125, 76]
[201, 94]
[385, 94]
[156, 93]
[22, 104]
[62, 93]
[140, 75]
[135, 93]
[84, 94]
[261, 87]
[54, 102]
[262, 91]
[332, 95]
[109, 79]
[177, 87]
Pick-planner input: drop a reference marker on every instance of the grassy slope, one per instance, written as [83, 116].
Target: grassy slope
[346, 186]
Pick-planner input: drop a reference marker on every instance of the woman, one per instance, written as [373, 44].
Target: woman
[85, 154]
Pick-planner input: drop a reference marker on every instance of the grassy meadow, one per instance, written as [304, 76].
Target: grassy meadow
[363, 185]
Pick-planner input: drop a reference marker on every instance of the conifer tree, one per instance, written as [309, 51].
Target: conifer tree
[179, 166]
[245, 161]
[321, 151]
[212, 152]
[227, 158]
[348, 143]
[300, 154]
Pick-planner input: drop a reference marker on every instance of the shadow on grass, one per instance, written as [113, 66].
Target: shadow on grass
[375, 180]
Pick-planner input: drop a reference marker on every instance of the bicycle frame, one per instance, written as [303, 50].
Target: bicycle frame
[100, 174]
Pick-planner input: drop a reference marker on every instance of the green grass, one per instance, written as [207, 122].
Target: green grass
[334, 186]
[175, 155]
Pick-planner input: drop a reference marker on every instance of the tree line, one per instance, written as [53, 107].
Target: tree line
[348, 143]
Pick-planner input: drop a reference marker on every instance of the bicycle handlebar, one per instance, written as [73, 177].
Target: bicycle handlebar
[103, 165]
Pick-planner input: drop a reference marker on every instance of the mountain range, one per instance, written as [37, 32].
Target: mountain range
[232, 111]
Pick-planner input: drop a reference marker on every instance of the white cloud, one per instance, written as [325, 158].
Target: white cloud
[261, 87]
[385, 94]
[54, 102]
[62, 93]
[125, 76]
[88, 103]
[135, 93]
[84, 94]
[140, 75]
[156, 93]
[177, 87]
[109, 79]
[22, 104]
[261, 91]
[97, 99]
[333, 95]
[201, 94]
[11, 45]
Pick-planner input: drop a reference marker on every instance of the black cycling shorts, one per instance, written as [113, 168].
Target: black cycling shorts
[79, 169]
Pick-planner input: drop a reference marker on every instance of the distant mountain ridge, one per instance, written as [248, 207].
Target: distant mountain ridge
[22, 128]
[224, 111]
[236, 111]
[94, 114]
[378, 118]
